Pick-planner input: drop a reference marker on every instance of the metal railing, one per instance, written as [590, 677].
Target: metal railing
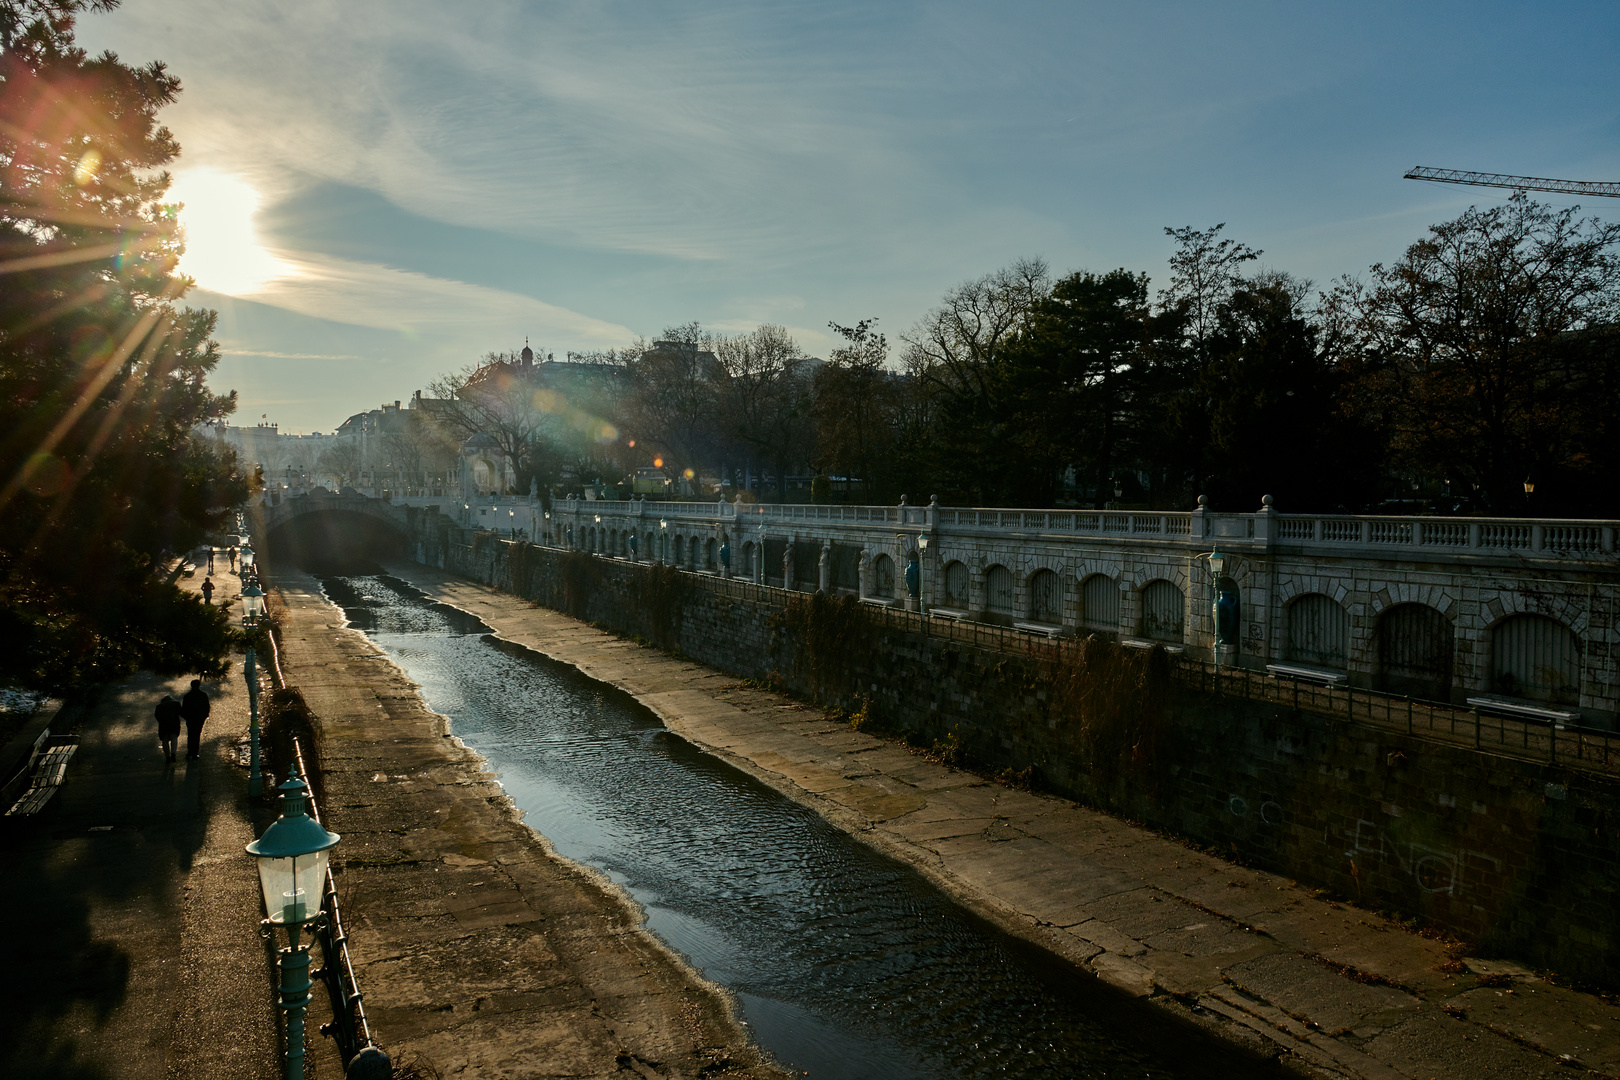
[349, 1027]
[1572, 746]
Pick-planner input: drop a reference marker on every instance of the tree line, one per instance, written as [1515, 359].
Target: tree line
[1479, 372]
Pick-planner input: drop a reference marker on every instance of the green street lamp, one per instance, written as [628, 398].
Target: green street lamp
[292, 856]
[1217, 564]
[246, 557]
[252, 615]
[922, 571]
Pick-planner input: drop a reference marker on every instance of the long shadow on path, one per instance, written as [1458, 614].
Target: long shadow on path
[132, 911]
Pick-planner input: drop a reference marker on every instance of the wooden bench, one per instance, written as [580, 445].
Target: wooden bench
[48, 771]
[1524, 710]
[1044, 629]
[1308, 674]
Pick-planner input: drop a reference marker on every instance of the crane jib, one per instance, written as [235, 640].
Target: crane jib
[1521, 183]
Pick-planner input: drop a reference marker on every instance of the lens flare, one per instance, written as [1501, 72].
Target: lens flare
[658, 463]
[85, 171]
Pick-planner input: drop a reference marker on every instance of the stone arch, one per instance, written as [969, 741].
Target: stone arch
[1561, 607]
[1044, 589]
[883, 576]
[1536, 657]
[955, 592]
[1396, 593]
[1100, 602]
[1162, 611]
[1316, 630]
[1415, 645]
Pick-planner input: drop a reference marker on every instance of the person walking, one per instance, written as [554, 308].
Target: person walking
[208, 590]
[233, 558]
[194, 707]
[168, 718]
[210, 558]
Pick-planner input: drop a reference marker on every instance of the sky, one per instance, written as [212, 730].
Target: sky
[379, 193]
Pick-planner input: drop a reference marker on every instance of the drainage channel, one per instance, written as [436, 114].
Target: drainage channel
[846, 964]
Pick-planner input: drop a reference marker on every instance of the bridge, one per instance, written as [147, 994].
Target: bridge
[323, 529]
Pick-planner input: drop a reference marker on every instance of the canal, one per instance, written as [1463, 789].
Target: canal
[846, 964]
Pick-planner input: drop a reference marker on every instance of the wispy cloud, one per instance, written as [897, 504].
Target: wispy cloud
[228, 350]
[365, 294]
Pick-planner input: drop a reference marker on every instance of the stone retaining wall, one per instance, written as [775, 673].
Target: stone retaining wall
[1518, 856]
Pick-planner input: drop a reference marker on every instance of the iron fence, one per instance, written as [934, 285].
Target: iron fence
[349, 1027]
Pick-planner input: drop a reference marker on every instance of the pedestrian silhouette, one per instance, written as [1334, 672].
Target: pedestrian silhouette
[168, 718]
[194, 707]
[208, 590]
[210, 559]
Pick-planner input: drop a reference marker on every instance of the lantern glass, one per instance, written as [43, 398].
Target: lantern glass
[252, 604]
[1217, 563]
[292, 886]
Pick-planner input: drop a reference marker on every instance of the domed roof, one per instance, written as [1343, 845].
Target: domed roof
[527, 354]
[478, 442]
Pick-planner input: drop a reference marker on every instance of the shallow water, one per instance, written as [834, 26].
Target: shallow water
[846, 963]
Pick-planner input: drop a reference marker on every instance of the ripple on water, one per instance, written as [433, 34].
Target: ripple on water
[846, 963]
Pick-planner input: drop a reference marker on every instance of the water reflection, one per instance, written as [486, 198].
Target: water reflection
[846, 963]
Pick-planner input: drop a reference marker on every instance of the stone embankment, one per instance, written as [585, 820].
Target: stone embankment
[477, 948]
[1338, 990]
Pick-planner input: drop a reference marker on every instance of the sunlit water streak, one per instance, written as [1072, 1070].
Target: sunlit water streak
[846, 963]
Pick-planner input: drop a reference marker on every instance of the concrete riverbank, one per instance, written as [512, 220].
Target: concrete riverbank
[1337, 990]
[477, 949]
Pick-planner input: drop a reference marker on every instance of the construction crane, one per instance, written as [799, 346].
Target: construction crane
[1519, 183]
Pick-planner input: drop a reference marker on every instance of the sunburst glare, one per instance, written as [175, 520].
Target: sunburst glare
[223, 252]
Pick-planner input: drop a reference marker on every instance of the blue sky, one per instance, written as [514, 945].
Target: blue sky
[436, 181]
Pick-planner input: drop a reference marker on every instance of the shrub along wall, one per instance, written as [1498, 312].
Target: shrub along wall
[1519, 857]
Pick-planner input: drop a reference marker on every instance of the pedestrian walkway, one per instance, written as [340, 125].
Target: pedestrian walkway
[132, 945]
[1341, 991]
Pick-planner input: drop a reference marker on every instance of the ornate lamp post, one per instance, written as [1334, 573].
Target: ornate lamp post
[292, 856]
[246, 560]
[663, 540]
[1217, 563]
[922, 588]
[252, 614]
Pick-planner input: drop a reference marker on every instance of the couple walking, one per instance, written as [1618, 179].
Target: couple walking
[193, 708]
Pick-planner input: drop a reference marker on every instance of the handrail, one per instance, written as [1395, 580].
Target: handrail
[349, 1028]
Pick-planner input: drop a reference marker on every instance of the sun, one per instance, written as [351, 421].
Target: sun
[223, 253]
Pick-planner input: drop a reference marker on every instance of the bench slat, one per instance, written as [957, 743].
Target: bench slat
[33, 802]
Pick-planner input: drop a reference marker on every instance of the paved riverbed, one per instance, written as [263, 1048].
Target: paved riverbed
[1339, 990]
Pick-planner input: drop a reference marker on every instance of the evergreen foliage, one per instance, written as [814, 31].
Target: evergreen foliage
[104, 479]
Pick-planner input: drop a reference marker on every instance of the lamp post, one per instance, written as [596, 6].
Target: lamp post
[663, 541]
[1217, 563]
[922, 580]
[292, 856]
[912, 574]
[252, 613]
[246, 559]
